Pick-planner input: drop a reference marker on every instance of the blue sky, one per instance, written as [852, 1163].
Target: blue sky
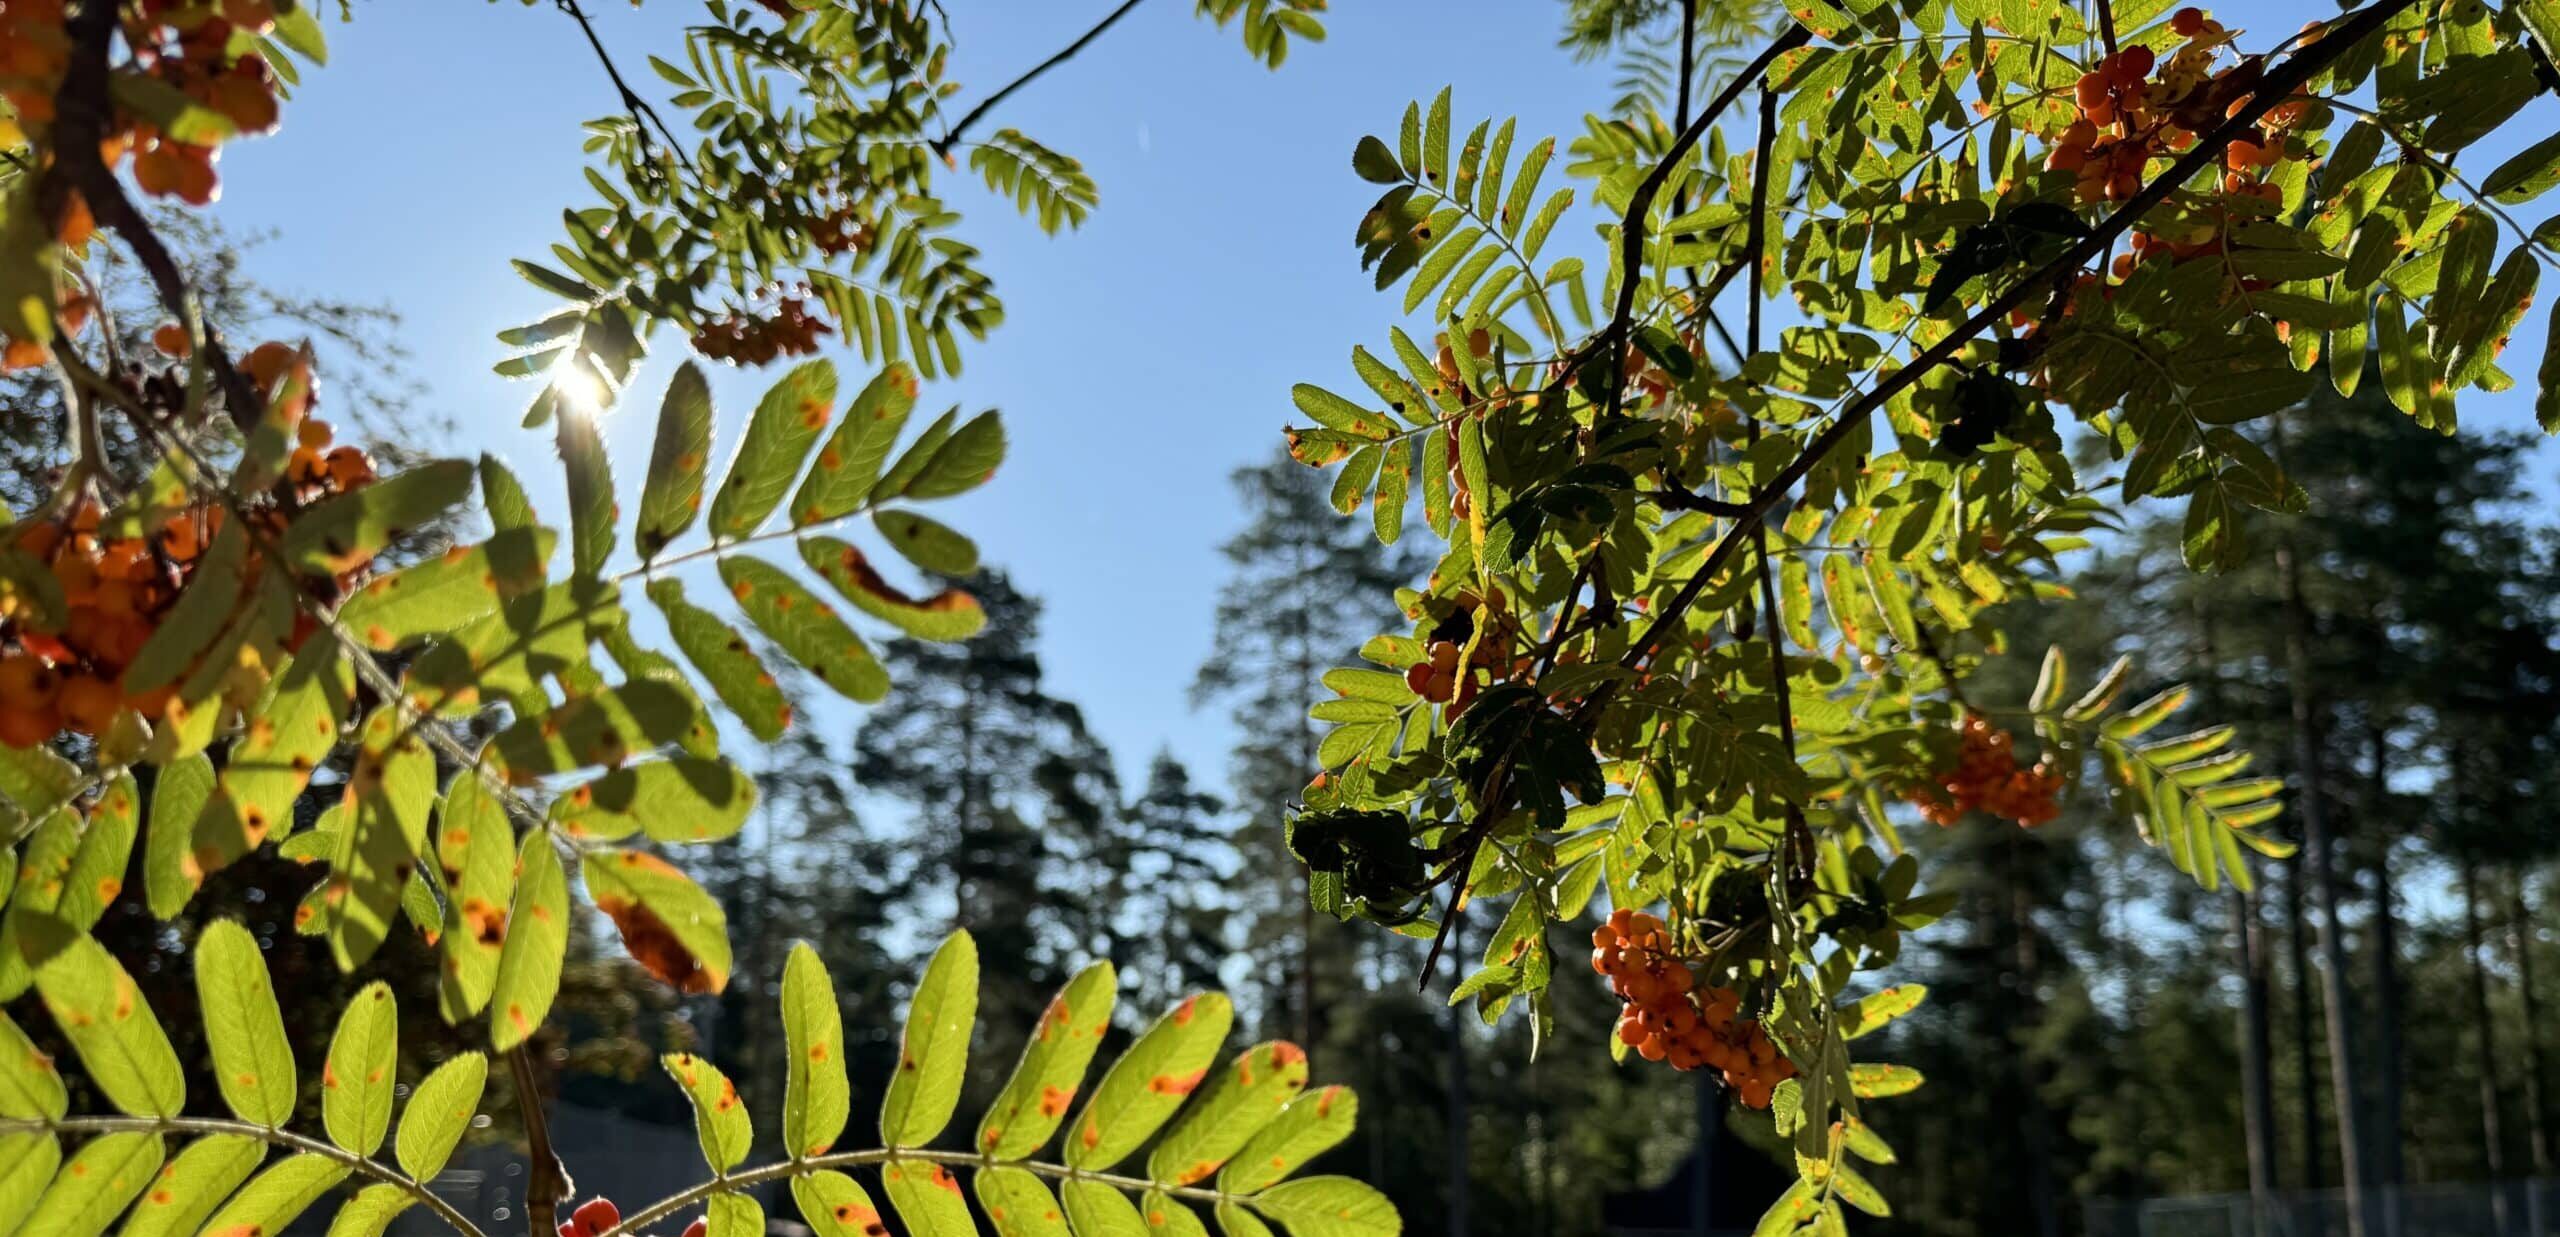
[1143, 357]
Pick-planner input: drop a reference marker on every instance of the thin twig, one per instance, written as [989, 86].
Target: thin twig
[951, 136]
[1754, 245]
[362, 1165]
[548, 1185]
[642, 114]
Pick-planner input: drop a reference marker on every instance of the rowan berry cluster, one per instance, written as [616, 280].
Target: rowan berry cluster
[1451, 675]
[757, 337]
[1669, 1018]
[598, 1215]
[1986, 777]
[68, 638]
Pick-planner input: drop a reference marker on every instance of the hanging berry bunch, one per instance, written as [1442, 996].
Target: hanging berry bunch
[1986, 777]
[755, 337]
[1668, 1017]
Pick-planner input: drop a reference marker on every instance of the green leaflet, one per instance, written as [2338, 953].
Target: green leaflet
[1330, 1207]
[169, 875]
[446, 593]
[778, 437]
[252, 1060]
[1165, 1215]
[30, 1088]
[929, 544]
[669, 925]
[102, 1013]
[505, 655]
[106, 1173]
[1235, 1221]
[1878, 1008]
[370, 1211]
[1097, 1210]
[73, 869]
[1869, 1080]
[27, 1162]
[347, 531]
[440, 1109]
[594, 517]
[849, 463]
[273, 1198]
[1253, 1089]
[734, 1215]
[605, 727]
[537, 938]
[1311, 1125]
[1044, 1083]
[836, 1205]
[962, 463]
[356, 1084]
[196, 620]
[671, 496]
[720, 1118]
[475, 850]
[389, 794]
[723, 659]
[816, 1099]
[36, 779]
[295, 724]
[933, 1053]
[948, 615]
[193, 1183]
[1149, 1082]
[805, 627]
[927, 1196]
[911, 462]
[1017, 1204]
[679, 799]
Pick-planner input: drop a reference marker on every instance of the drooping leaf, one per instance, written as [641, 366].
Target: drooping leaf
[98, 1008]
[1019, 1204]
[722, 657]
[356, 1085]
[835, 1205]
[476, 852]
[1044, 1083]
[276, 1196]
[252, 1060]
[440, 1109]
[679, 799]
[169, 874]
[805, 627]
[671, 496]
[27, 1163]
[777, 439]
[31, 1089]
[933, 1054]
[193, 1183]
[816, 1099]
[673, 929]
[1098, 1210]
[537, 939]
[733, 1215]
[390, 793]
[929, 544]
[1330, 1207]
[106, 1173]
[595, 521]
[927, 1197]
[720, 1119]
[347, 531]
[950, 614]
[1246, 1097]
[1312, 1124]
[849, 464]
[370, 1211]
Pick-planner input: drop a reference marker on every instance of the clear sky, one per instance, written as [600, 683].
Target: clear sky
[1142, 358]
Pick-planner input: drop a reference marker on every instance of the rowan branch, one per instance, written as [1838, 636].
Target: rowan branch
[951, 136]
[642, 114]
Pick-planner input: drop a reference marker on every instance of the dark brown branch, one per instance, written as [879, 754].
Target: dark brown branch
[1676, 499]
[1755, 247]
[2278, 85]
[642, 114]
[84, 115]
[2107, 24]
[951, 137]
[547, 1185]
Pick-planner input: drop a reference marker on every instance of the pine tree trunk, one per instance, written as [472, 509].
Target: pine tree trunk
[2257, 1057]
[1458, 1115]
[2319, 854]
[2390, 1166]
[2306, 1066]
[2484, 1041]
[2031, 1113]
[2537, 1081]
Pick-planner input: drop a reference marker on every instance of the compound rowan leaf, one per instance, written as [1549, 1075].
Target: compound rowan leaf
[849, 464]
[778, 437]
[356, 1083]
[475, 849]
[678, 799]
[440, 1108]
[252, 1060]
[275, 1197]
[725, 661]
[1245, 1098]
[537, 939]
[1044, 1083]
[816, 1099]
[1149, 1081]
[1312, 1124]
[671, 495]
[929, 544]
[670, 927]
[835, 1205]
[101, 1012]
[30, 1088]
[104, 1175]
[947, 616]
[933, 1053]
[345, 532]
[805, 627]
[720, 1119]
[193, 1183]
[1330, 1207]
[927, 1197]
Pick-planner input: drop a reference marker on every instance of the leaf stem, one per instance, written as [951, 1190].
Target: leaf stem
[784, 1170]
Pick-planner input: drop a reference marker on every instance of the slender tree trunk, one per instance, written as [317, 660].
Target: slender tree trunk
[2257, 1056]
[2319, 853]
[2031, 1113]
[1458, 1115]
[2537, 1080]
[1305, 685]
[2306, 1065]
[2390, 1165]
[1702, 1193]
[2484, 1042]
